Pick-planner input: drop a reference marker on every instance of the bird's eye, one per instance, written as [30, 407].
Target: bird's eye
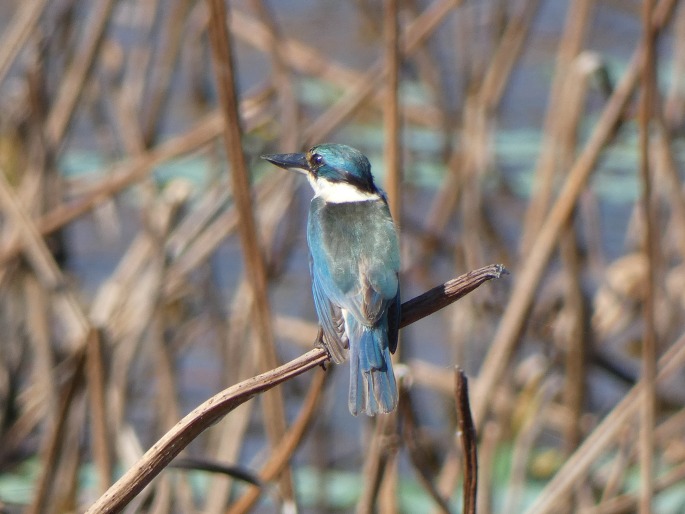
[317, 159]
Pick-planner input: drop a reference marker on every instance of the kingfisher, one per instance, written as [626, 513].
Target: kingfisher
[354, 261]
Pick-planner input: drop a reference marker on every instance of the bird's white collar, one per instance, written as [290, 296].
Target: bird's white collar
[339, 192]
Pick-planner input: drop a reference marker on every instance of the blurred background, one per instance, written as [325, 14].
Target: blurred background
[545, 135]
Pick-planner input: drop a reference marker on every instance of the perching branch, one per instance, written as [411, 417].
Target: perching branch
[215, 408]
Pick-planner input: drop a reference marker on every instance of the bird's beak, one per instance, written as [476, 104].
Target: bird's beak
[289, 161]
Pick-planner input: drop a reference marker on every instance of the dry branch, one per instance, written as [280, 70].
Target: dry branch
[211, 411]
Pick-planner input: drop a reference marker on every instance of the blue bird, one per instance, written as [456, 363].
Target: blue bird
[354, 263]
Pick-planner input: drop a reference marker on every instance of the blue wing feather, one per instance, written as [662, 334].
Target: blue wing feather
[330, 316]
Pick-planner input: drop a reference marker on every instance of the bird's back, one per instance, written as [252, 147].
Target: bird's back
[355, 264]
[350, 239]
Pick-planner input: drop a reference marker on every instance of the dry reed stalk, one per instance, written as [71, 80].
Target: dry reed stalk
[28, 419]
[385, 461]
[20, 29]
[671, 428]
[469, 62]
[468, 437]
[576, 466]
[525, 286]
[54, 440]
[74, 80]
[101, 435]
[449, 474]
[570, 45]
[125, 307]
[391, 110]
[124, 123]
[38, 327]
[505, 57]
[649, 337]
[255, 268]
[572, 338]
[195, 222]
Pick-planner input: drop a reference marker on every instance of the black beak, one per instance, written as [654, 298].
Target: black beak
[294, 161]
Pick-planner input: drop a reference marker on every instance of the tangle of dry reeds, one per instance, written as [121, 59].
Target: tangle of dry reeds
[149, 259]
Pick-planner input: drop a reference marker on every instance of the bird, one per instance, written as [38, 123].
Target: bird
[354, 261]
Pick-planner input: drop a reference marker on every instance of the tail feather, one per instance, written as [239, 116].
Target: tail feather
[372, 381]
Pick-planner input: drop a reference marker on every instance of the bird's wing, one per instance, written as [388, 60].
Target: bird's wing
[376, 290]
[331, 319]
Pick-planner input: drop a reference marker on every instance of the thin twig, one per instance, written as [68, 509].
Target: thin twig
[648, 414]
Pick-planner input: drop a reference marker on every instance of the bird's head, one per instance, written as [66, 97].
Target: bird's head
[334, 171]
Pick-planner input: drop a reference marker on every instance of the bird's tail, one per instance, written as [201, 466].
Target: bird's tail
[372, 381]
